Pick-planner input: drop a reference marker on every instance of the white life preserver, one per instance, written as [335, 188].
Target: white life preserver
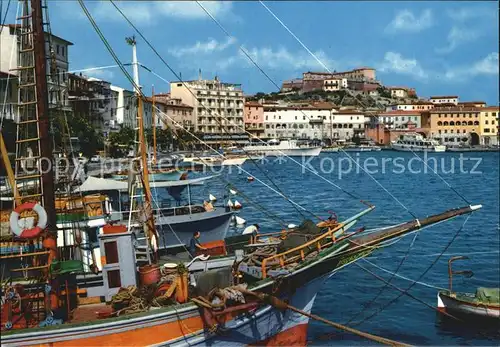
[32, 232]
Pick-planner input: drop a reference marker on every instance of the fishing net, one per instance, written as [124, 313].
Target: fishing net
[488, 295]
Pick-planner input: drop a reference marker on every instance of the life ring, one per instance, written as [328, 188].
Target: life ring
[32, 232]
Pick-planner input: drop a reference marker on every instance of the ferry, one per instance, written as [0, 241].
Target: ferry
[414, 142]
[291, 148]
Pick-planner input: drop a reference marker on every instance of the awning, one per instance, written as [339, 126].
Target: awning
[93, 184]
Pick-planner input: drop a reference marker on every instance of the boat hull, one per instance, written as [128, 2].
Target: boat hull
[185, 326]
[404, 148]
[452, 305]
[161, 176]
[178, 230]
[293, 152]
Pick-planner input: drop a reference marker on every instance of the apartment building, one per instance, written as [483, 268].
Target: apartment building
[254, 118]
[347, 124]
[489, 118]
[453, 125]
[57, 50]
[218, 108]
[441, 100]
[172, 112]
[400, 119]
[417, 106]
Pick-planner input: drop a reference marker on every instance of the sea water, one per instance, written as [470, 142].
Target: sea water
[399, 184]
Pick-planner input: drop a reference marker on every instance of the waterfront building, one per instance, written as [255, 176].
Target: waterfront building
[347, 124]
[254, 118]
[218, 108]
[489, 118]
[442, 100]
[399, 119]
[453, 125]
[172, 112]
[297, 121]
[472, 104]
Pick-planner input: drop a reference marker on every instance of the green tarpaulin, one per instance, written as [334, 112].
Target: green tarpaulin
[66, 267]
[488, 295]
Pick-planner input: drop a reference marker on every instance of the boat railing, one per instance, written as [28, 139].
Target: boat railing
[284, 258]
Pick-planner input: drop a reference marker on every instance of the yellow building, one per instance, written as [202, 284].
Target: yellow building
[453, 125]
[488, 125]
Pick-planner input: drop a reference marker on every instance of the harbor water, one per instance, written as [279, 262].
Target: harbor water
[416, 189]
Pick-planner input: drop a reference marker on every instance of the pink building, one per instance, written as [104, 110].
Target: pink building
[254, 118]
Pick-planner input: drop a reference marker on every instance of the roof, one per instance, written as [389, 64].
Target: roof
[396, 87]
[93, 184]
[471, 102]
[253, 103]
[399, 113]
[444, 97]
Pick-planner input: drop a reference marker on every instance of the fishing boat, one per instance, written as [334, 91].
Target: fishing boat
[416, 142]
[290, 148]
[176, 221]
[483, 304]
[215, 161]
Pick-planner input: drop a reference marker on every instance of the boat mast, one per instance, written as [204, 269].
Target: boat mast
[154, 124]
[149, 226]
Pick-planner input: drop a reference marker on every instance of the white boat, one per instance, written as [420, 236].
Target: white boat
[289, 148]
[361, 148]
[215, 161]
[330, 149]
[415, 142]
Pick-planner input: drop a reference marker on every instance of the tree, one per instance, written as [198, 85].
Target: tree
[121, 142]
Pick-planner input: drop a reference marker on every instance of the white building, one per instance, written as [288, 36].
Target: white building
[334, 84]
[218, 108]
[126, 109]
[418, 106]
[400, 119]
[57, 65]
[399, 92]
[437, 100]
[346, 124]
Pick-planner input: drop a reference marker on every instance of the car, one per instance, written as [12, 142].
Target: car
[95, 159]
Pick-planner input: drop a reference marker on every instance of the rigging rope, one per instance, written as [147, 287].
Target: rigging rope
[420, 277]
[117, 60]
[384, 287]
[204, 106]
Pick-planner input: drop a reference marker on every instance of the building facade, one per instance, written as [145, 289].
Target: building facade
[254, 118]
[334, 84]
[489, 118]
[440, 100]
[418, 106]
[453, 125]
[400, 119]
[172, 112]
[218, 108]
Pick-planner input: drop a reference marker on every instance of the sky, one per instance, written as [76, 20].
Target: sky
[439, 48]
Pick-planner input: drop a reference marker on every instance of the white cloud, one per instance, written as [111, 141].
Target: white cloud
[102, 74]
[488, 66]
[210, 46]
[282, 58]
[407, 21]
[458, 36]
[142, 12]
[396, 63]
[464, 14]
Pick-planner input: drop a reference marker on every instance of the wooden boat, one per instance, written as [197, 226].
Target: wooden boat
[484, 303]
[294, 274]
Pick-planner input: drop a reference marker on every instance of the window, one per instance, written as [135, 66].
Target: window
[114, 280]
[111, 251]
[57, 49]
[486, 122]
[62, 51]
